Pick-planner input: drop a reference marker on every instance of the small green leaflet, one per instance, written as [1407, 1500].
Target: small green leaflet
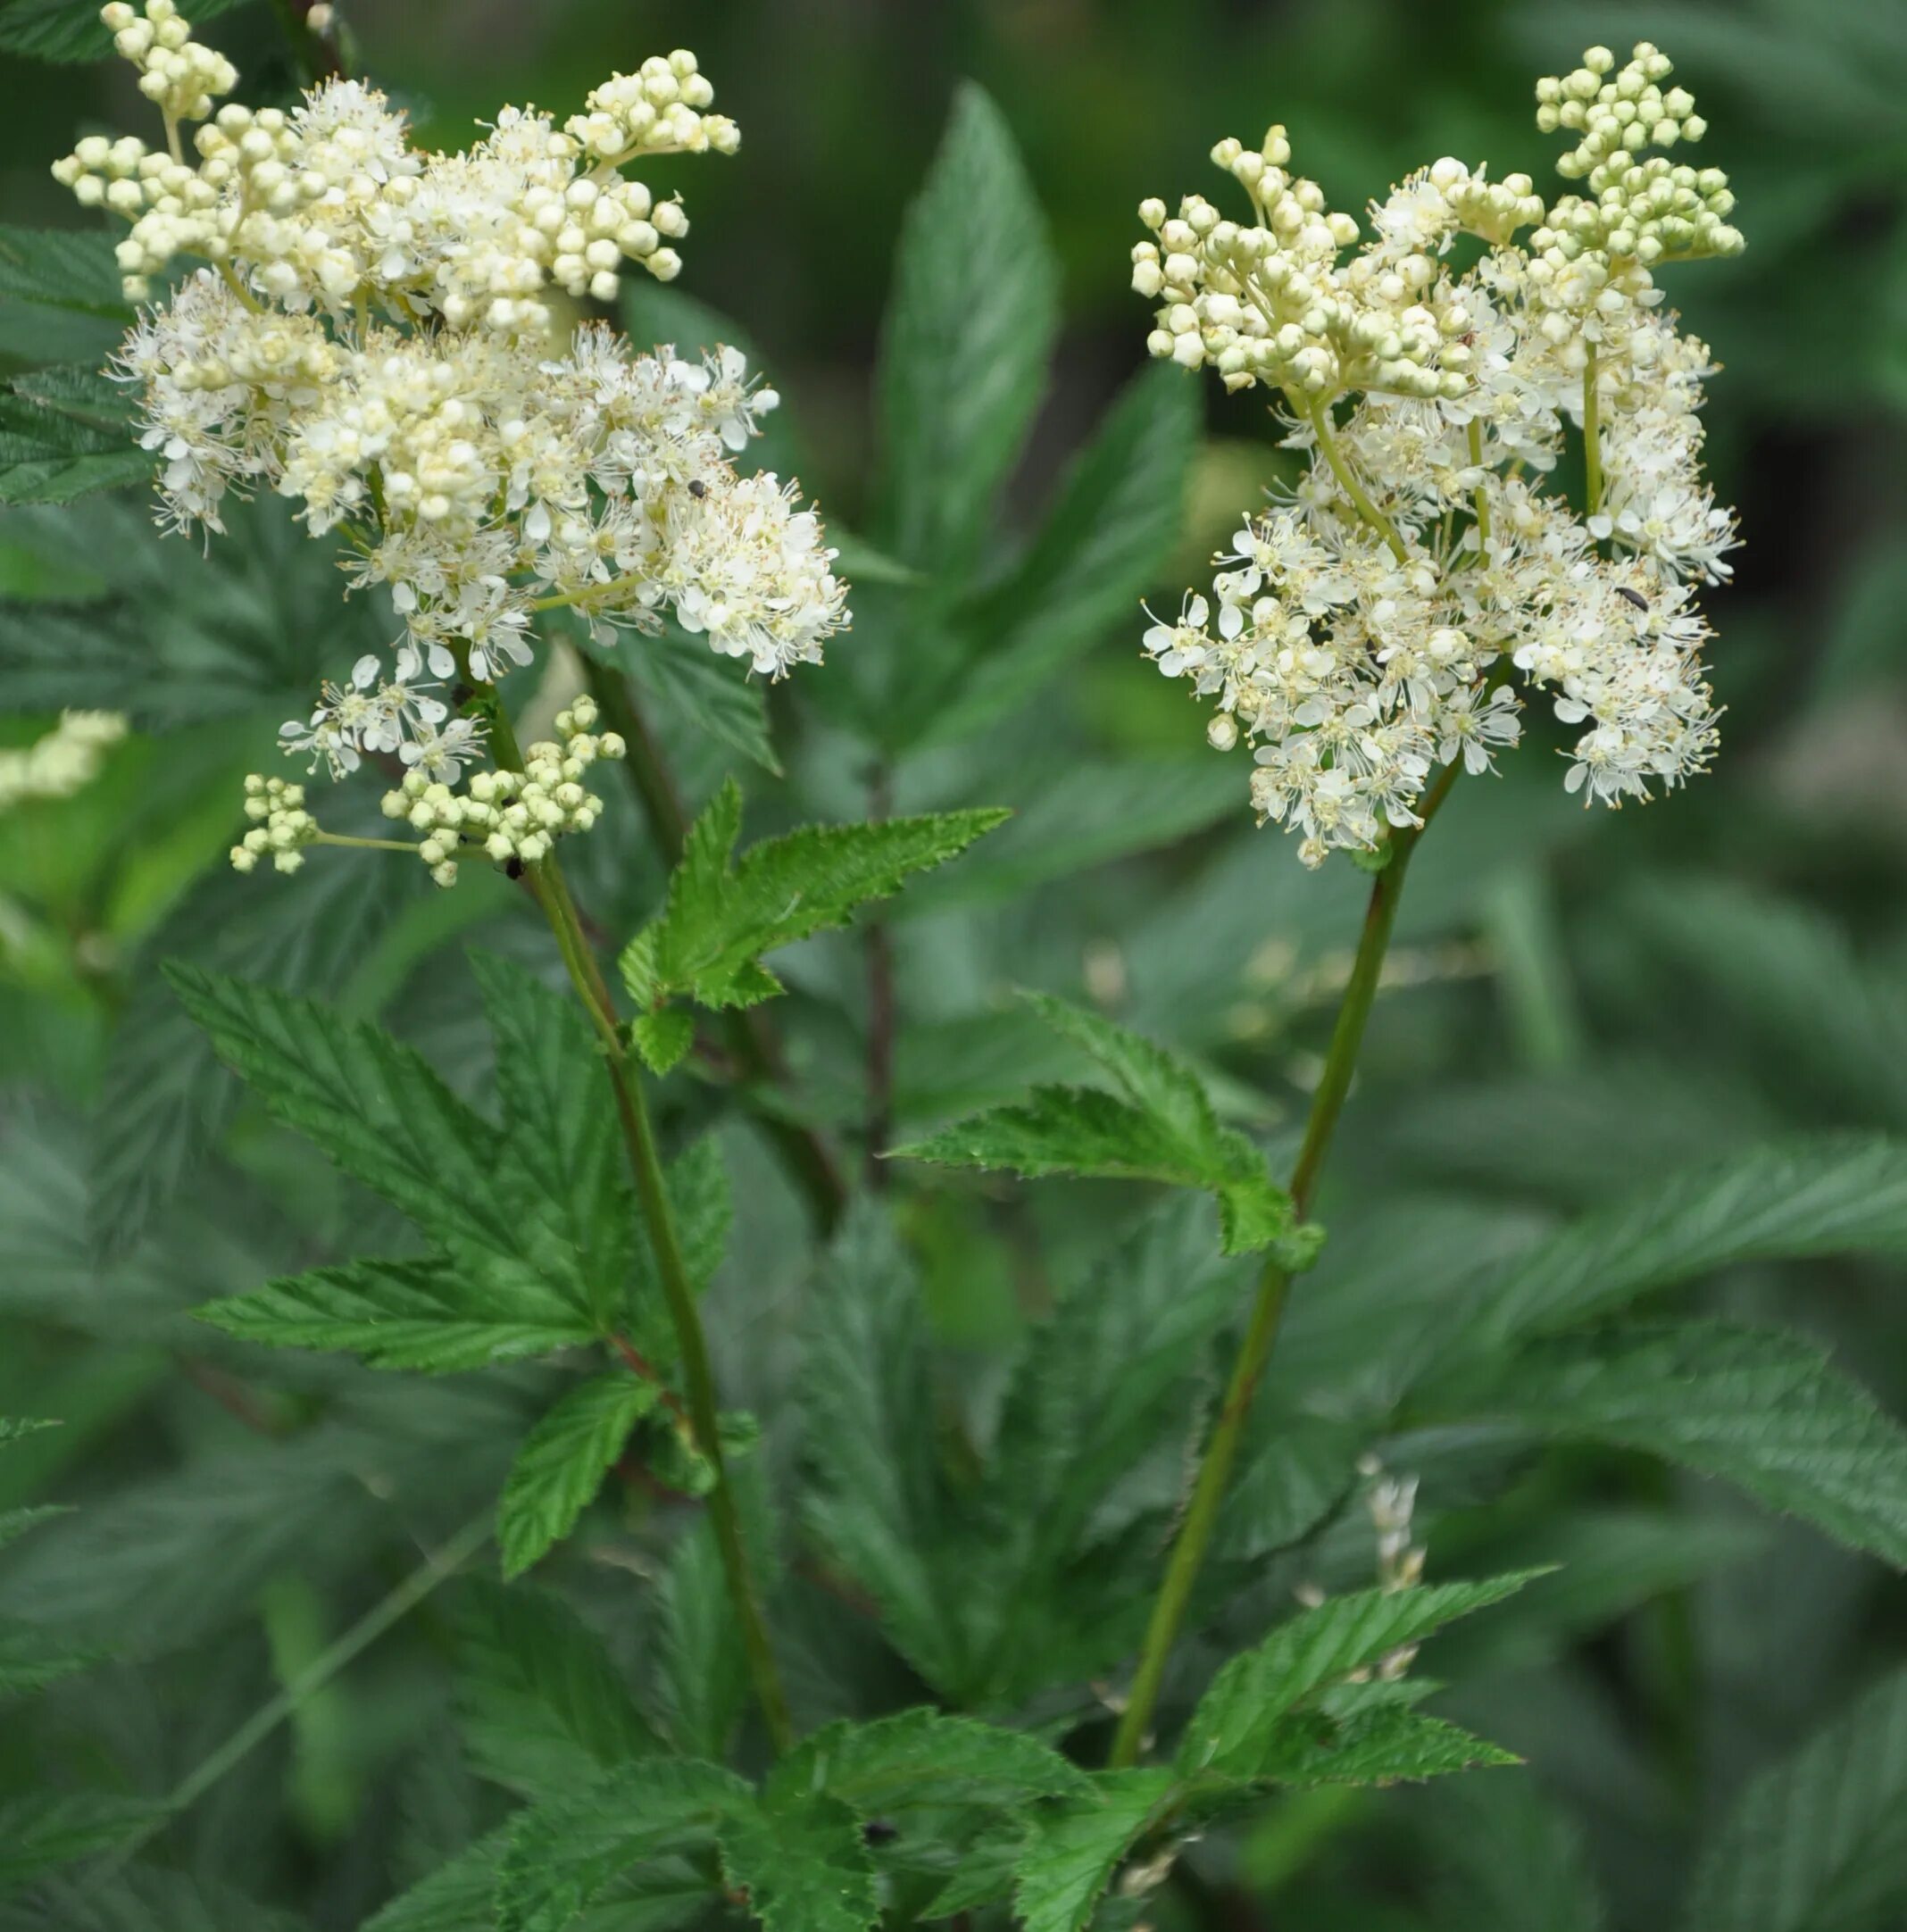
[562, 1852]
[561, 1463]
[1160, 1127]
[1236, 1727]
[722, 914]
[802, 1865]
[417, 1315]
[1818, 1843]
[1072, 1850]
[543, 1708]
[1758, 1407]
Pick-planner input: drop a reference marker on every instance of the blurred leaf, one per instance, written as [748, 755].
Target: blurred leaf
[1163, 1129]
[1117, 515]
[703, 1671]
[1506, 1858]
[561, 1463]
[1759, 1408]
[928, 1758]
[1828, 1196]
[142, 1898]
[166, 1097]
[694, 690]
[453, 1898]
[559, 1118]
[563, 1851]
[60, 294]
[70, 30]
[543, 1707]
[1820, 1843]
[968, 328]
[377, 1108]
[876, 1502]
[31, 1659]
[1087, 815]
[51, 1828]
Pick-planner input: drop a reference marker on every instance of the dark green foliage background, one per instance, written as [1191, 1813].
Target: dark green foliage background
[1581, 1001]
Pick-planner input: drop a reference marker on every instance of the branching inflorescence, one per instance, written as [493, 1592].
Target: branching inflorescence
[373, 335]
[1365, 628]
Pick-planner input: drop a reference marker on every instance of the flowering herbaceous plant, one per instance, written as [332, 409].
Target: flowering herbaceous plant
[942, 1657]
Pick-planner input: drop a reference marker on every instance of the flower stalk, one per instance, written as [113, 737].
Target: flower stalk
[551, 892]
[1274, 1284]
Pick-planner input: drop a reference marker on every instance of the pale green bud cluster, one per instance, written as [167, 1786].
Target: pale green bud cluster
[1266, 301]
[513, 816]
[1641, 211]
[178, 75]
[281, 828]
[1614, 116]
[658, 110]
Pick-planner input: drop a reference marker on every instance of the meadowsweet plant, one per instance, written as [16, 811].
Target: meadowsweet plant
[372, 335]
[550, 1484]
[1383, 620]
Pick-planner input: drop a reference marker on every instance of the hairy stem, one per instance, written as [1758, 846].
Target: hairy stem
[1274, 1282]
[646, 1167]
[746, 1032]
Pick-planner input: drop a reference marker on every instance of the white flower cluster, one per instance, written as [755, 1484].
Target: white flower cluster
[1369, 626]
[62, 761]
[371, 336]
[513, 816]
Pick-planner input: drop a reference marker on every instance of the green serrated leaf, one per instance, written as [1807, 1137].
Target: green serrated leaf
[1118, 514]
[662, 1038]
[376, 1107]
[1835, 1193]
[52, 448]
[560, 1120]
[70, 30]
[31, 1658]
[924, 1758]
[720, 919]
[1818, 1843]
[455, 1897]
[417, 1315]
[1162, 1127]
[1381, 1746]
[802, 1866]
[561, 1463]
[564, 1852]
[703, 1677]
[48, 1830]
[964, 346]
[1758, 1407]
[876, 1502]
[1072, 1850]
[1236, 1726]
[544, 1709]
[701, 1207]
